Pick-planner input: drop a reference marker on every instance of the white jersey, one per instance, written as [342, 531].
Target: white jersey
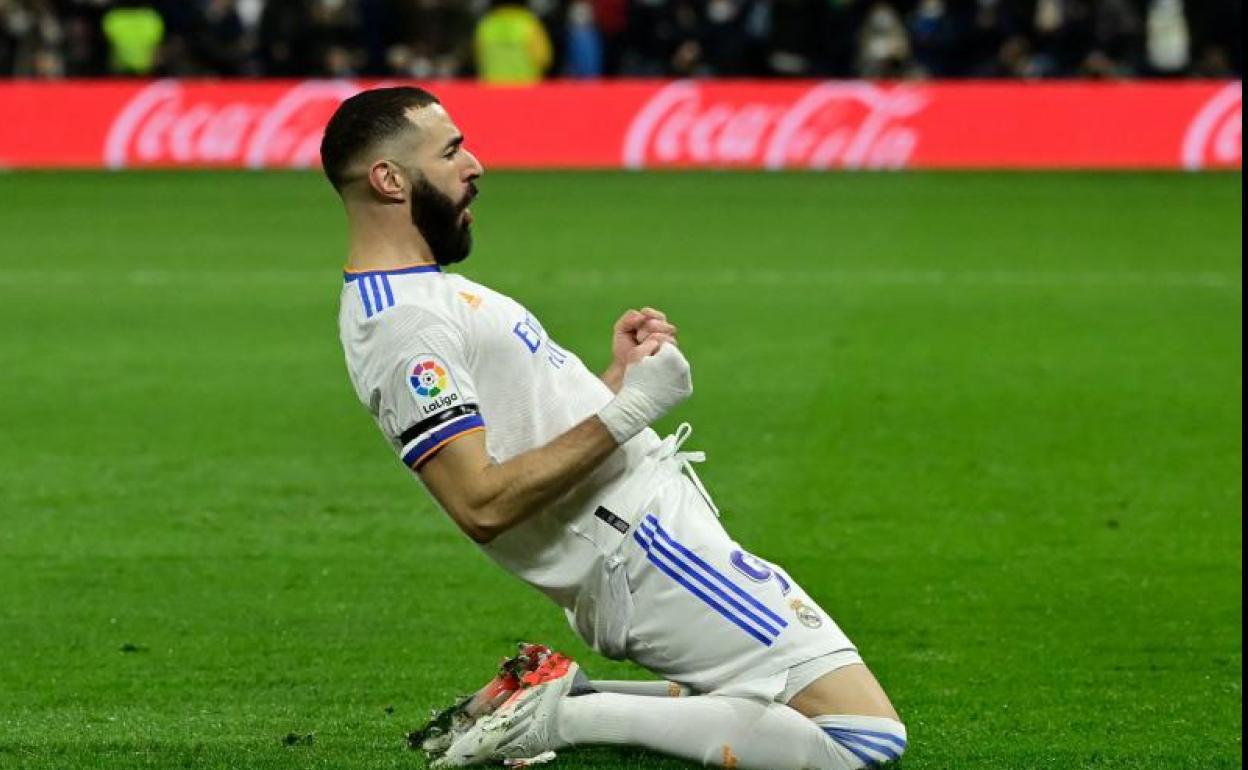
[434, 356]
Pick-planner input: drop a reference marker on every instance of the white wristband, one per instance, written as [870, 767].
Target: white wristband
[651, 387]
[628, 414]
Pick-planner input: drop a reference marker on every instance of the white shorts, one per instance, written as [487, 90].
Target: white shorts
[704, 612]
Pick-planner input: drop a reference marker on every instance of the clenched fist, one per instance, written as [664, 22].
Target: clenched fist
[656, 379]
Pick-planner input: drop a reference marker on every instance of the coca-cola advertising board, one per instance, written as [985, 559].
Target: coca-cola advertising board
[647, 124]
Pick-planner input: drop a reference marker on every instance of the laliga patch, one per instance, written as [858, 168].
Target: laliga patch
[432, 385]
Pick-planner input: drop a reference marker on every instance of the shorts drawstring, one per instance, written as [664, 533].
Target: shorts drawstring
[669, 449]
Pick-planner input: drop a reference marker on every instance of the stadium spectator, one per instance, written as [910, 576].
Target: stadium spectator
[1217, 37]
[883, 47]
[649, 39]
[1062, 33]
[988, 25]
[725, 38]
[283, 36]
[512, 47]
[583, 46]
[31, 40]
[429, 38]
[838, 52]
[335, 35]
[134, 34]
[635, 38]
[611, 18]
[687, 55]
[1169, 44]
[552, 14]
[793, 38]
[300, 38]
[223, 40]
[1116, 32]
[934, 38]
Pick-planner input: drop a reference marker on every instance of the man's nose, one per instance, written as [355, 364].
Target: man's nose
[475, 169]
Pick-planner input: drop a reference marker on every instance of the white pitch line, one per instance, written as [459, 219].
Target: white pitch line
[594, 277]
[833, 277]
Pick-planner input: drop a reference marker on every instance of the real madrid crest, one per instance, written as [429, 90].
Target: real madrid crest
[805, 614]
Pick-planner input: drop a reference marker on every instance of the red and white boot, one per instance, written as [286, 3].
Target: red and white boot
[534, 664]
[521, 731]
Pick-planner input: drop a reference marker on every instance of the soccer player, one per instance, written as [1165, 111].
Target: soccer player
[556, 475]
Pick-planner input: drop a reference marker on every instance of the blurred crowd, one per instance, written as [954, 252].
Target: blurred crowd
[522, 42]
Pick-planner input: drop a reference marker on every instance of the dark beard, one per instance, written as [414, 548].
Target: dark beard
[436, 216]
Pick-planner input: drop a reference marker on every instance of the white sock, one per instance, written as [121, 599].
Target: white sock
[871, 739]
[715, 730]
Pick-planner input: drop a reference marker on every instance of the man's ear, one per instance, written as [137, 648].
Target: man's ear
[387, 181]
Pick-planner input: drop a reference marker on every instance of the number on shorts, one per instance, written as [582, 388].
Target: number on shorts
[758, 570]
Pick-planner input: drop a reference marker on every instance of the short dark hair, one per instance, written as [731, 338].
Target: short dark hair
[364, 120]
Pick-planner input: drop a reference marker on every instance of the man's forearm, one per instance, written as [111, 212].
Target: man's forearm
[519, 488]
[613, 377]
[486, 499]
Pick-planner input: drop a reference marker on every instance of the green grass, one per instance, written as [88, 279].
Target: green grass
[992, 421]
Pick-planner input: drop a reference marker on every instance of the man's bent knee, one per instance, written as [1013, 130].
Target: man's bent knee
[853, 711]
[852, 689]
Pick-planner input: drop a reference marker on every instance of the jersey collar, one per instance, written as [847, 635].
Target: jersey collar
[422, 267]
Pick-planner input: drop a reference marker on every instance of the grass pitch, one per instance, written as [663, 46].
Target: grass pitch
[992, 421]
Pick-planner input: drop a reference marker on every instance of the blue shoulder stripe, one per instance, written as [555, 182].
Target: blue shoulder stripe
[385, 284]
[371, 286]
[368, 305]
